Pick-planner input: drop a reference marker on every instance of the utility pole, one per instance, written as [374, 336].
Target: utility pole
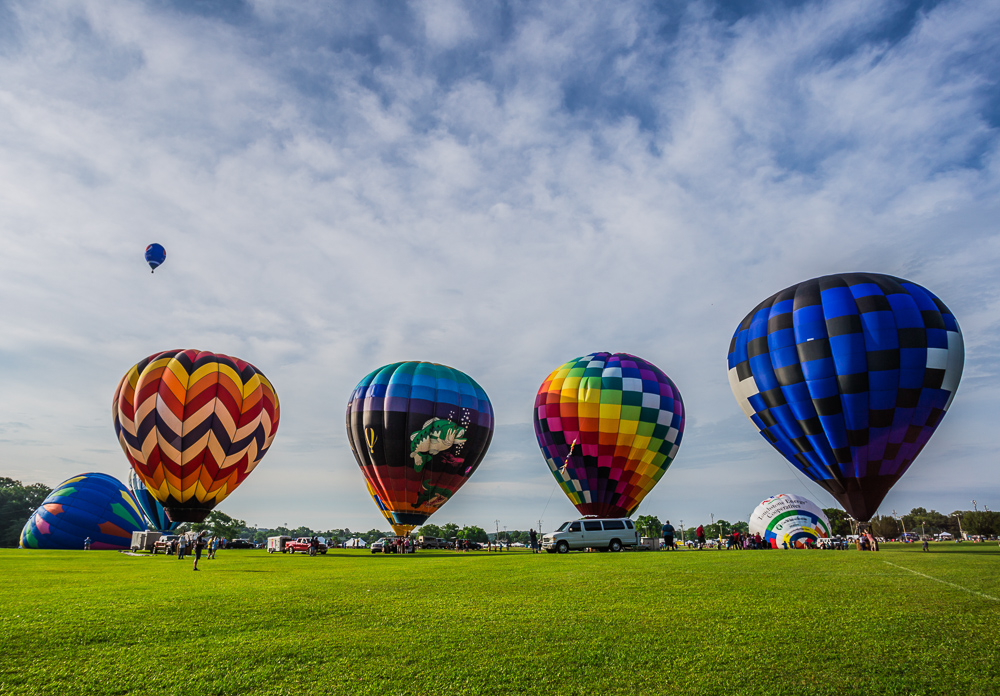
[903, 524]
[974, 506]
[959, 518]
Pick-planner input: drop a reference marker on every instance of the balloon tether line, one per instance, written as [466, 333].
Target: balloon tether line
[554, 486]
[559, 471]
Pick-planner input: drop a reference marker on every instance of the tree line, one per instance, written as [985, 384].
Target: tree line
[19, 501]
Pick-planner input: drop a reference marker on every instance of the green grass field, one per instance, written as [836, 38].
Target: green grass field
[780, 622]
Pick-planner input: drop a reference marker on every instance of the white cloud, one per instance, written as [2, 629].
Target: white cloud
[336, 192]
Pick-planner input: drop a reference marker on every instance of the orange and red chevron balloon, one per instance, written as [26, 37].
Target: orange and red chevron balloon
[193, 425]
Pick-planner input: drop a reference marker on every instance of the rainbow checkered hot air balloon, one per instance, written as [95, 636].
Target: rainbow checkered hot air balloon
[92, 505]
[193, 425]
[418, 430]
[609, 425]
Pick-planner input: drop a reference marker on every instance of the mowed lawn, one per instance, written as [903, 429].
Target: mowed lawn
[689, 622]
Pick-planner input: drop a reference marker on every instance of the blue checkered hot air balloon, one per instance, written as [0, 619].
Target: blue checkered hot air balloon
[848, 376]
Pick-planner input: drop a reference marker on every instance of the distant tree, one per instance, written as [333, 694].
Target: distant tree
[741, 527]
[430, 530]
[981, 523]
[221, 525]
[17, 503]
[374, 535]
[840, 525]
[449, 530]
[648, 525]
[921, 521]
[885, 527]
[473, 533]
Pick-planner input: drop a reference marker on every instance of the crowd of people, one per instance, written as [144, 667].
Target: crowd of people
[184, 545]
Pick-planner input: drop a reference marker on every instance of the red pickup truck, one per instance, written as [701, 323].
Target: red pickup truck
[302, 545]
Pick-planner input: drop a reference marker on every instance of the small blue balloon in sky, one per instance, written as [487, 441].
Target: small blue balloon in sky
[155, 255]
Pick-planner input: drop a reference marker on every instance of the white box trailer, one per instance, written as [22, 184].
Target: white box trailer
[651, 543]
[276, 544]
[143, 541]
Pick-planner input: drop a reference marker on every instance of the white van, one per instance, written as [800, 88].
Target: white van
[591, 533]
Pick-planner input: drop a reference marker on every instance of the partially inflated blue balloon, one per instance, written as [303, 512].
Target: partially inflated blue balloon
[94, 506]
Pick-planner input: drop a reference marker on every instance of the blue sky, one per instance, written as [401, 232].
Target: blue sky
[499, 187]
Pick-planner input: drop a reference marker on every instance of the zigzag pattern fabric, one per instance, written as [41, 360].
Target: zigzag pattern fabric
[609, 425]
[152, 510]
[193, 425]
[848, 376]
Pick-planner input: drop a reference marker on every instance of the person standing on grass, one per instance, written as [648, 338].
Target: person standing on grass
[213, 544]
[533, 537]
[668, 536]
[700, 534]
[86, 544]
[181, 546]
[199, 544]
[924, 548]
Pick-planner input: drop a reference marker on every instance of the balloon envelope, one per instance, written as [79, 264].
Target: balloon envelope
[155, 255]
[89, 505]
[151, 508]
[848, 376]
[193, 425]
[609, 425]
[418, 431]
[789, 522]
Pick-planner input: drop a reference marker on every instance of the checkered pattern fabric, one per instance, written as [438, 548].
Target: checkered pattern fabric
[848, 376]
[609, 425]
[418, 430]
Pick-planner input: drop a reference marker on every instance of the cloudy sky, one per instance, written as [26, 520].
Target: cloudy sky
[497, 186]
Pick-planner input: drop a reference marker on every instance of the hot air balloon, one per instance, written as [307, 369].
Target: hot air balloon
[193, 425]
[97, 506]
[609, 425]
[848, 376]
[418, 430]
[789, 522]
[151, 508]
[155, 255]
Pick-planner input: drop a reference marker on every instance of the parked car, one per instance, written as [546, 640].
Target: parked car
[429, 542]
[611, 534]
[377, 546]
[240, 544]
[302, 545]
